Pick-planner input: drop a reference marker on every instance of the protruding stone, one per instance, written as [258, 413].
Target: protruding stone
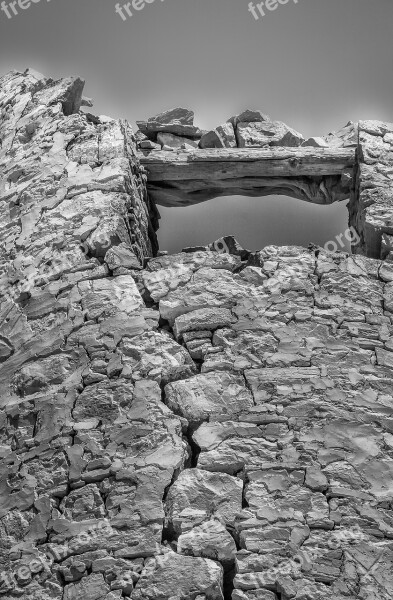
[209, 540]
[89, 102]
[149, 145]
[249, 116]
[316, 142]
[204, 318]
[229, 245]
[175, 115]
[316, 480]
[174, 141]
[387, 247]
[221, 137]
[175, 576]
[213, 395]
[122, 257]
[92, 587]
[178, 121]
[268, 133]
[208, 494]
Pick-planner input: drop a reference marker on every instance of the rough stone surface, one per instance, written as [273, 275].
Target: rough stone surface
[174, 141]
[179, 122]
[249, 116]
[175, 576]
[208, 425]
[267, 133]
[371, 202]
[221, 137]
[209, 540]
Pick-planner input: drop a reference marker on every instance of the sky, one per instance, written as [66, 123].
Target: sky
[314, 64]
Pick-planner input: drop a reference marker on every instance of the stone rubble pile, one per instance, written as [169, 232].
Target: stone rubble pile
[216, 424]
[175, 130]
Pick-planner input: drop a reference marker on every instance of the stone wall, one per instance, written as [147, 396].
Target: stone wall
[371, 207]
[213, 424]
[70, 182]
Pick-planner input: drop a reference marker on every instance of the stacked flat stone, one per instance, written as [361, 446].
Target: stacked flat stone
[175, 130]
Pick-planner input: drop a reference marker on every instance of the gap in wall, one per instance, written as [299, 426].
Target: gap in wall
[255, 222]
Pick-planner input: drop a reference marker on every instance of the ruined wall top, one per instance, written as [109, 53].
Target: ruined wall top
[180, 164]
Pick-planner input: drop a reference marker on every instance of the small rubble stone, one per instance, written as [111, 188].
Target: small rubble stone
[174, 141]
[221, 137]
[249, 116]
[203, 319]
[149, 145]
[316, 142]
[178, 121]
[267, 133]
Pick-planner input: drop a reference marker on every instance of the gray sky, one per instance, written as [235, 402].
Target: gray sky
[316, 65]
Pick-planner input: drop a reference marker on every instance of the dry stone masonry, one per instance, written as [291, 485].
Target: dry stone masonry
[215, 424]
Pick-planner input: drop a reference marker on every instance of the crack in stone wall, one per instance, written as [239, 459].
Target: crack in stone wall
[200, 426]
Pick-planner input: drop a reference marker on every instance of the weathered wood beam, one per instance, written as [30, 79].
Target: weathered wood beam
[245, 162]
[183, 178]
[185, 193]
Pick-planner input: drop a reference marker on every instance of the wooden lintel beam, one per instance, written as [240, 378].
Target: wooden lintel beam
[224, 164]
